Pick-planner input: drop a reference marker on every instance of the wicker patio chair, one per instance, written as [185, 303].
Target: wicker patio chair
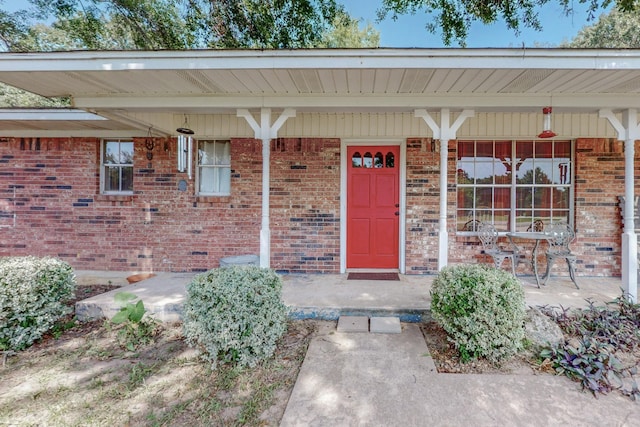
[488, 235]
[560, 237]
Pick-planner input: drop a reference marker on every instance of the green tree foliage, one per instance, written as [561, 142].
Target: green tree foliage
[454, 18]
[615, 29]
[346, 33]
[172, 24]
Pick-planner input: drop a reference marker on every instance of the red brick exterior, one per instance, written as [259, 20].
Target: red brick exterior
[60, 212]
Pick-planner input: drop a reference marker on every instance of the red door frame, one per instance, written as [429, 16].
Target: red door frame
[373, 212]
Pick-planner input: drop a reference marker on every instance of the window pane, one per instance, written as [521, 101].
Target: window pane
[484, 150]
[223, 153]
[208, 180]
[465, 173]
[562, 171]
[390, 160]
[127, 179]
[215, 180]
[502, 198]
[561, 198]
[501, 171]
[126, 153]
[501, 220]
[524, 165]
[224, 175]
[111, 153]
[524, 197]
[484, 197]
[356, 160]
[368, 160]
[112, 179]
[465, 150]
[465, 198]
[378, 160]
[206, 153]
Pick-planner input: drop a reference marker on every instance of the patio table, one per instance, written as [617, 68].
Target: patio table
[537, 236]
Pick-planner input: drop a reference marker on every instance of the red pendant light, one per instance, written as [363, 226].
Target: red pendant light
[546, 132]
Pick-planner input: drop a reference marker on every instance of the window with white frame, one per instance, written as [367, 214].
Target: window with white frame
[117, 167]
[515, 185]
[214, 168]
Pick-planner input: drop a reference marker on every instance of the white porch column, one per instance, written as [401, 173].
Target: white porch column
[265, 132]
[444, 133]
[628, 131]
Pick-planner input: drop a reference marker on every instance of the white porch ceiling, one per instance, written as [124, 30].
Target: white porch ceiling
[116, 83]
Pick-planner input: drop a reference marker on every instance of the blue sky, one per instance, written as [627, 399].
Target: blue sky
[409, 31]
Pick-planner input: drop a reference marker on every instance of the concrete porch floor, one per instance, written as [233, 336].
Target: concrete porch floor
[328, 296]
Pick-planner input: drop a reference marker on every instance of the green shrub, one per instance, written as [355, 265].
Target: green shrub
[235, 314]
[481, 308]
[33, 296]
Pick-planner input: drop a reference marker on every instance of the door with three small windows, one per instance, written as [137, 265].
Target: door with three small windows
[373, 209]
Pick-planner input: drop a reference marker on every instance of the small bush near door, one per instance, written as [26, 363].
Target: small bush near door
[481, 308]
[33, 295]
[235, 314]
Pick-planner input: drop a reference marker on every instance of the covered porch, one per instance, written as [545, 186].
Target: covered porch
[328, 296]
[358, 96]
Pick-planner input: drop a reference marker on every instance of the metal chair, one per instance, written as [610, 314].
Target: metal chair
[560, 237]
[488, 235]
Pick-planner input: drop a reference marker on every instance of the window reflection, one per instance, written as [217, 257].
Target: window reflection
[390, 160]
[500, 181]
[356, 160]
[368, 160]
[377, 160]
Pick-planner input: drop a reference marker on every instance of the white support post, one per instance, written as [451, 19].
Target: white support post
[265, 131]
[444, 133]
[628, 131]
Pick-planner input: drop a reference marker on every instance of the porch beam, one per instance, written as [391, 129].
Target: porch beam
[265, 132]
[444, 132]
[402, 102]
[628, 131]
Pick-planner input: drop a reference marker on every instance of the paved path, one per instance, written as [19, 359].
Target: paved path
[364, 379]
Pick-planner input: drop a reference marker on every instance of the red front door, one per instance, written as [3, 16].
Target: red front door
[373, 206]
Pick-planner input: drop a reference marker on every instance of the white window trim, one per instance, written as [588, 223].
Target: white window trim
[199, 166]
[103, 167]
[513, 185]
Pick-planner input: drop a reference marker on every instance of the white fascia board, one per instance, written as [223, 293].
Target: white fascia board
[341, 102]
[48, 114]
[587, 59]
[87, 133]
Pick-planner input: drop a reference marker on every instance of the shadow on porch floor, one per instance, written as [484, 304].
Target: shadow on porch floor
[327, 296]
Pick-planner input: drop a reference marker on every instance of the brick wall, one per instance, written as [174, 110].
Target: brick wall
[59, 210]
[305, 205]
[423, 205]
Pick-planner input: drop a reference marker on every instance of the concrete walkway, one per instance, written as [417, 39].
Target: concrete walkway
[327, 296]
[364, 379]
[367, 379]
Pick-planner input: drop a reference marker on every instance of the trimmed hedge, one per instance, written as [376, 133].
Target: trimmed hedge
[481, 308]
[235, 314]
[33, 294]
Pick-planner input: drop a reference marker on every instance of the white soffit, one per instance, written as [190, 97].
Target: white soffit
[60, 122]
[340, 79]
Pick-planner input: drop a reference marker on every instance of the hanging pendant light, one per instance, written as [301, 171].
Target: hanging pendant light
[184, 129]
[546, 128]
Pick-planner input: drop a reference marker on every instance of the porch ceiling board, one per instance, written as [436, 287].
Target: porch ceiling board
[331, 78]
